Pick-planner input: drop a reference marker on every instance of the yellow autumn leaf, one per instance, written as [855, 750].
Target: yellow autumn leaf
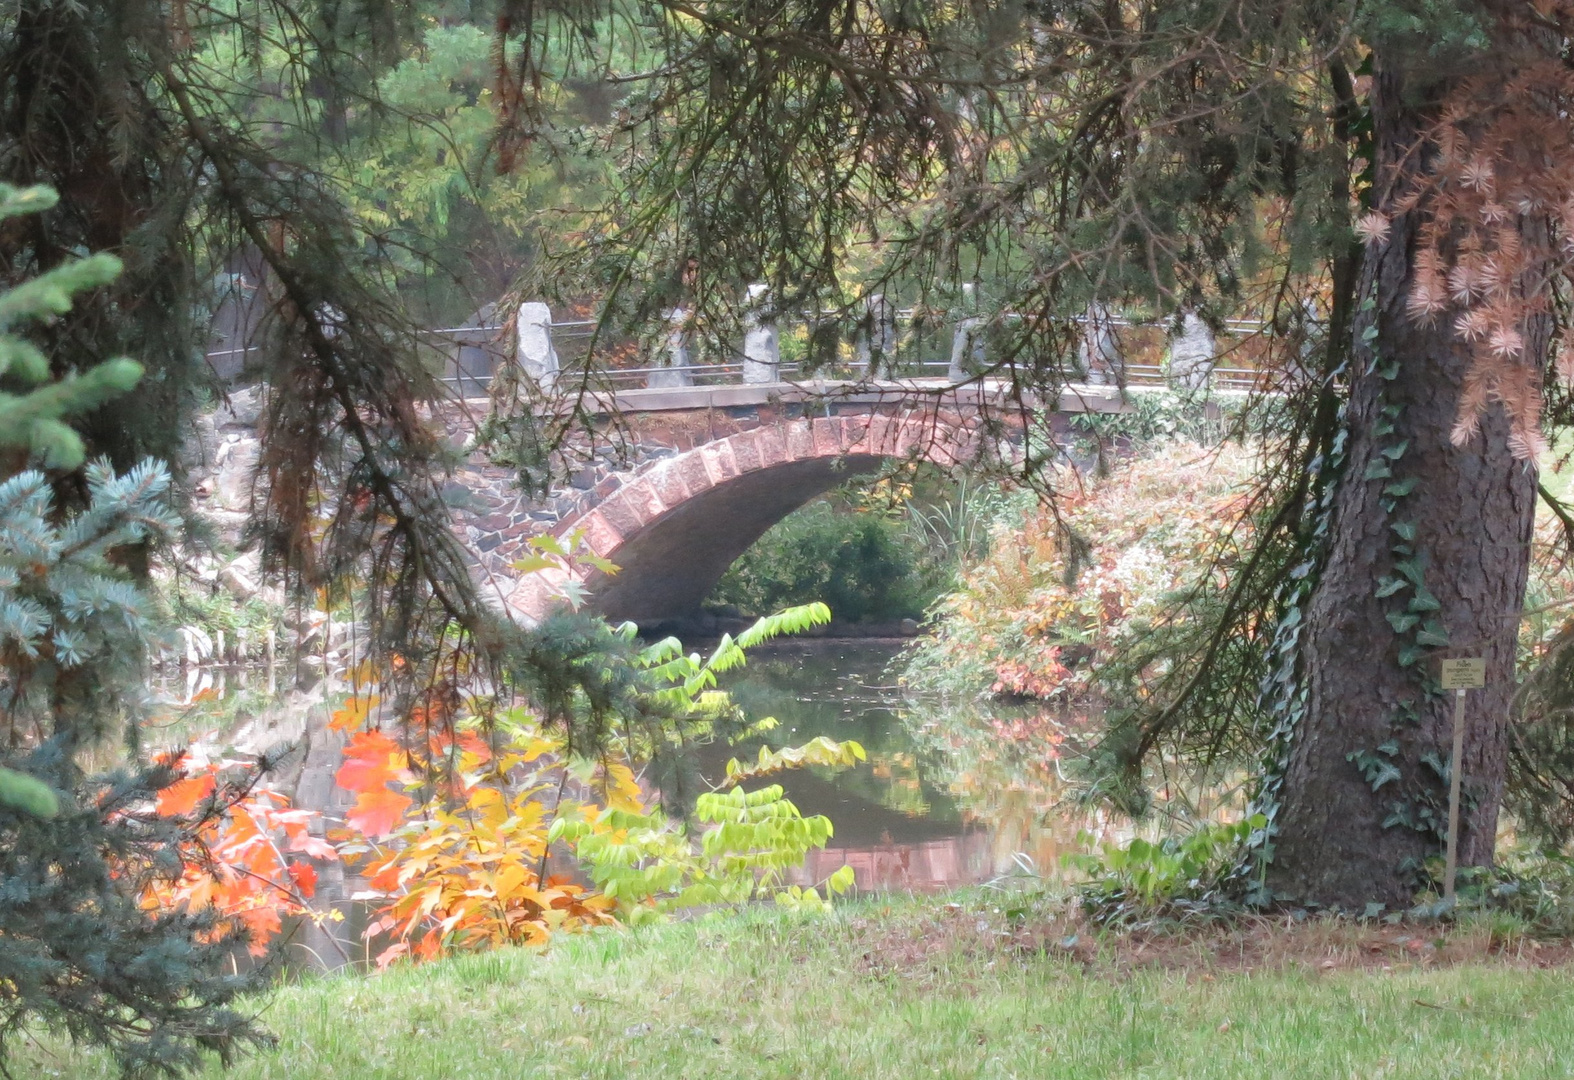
[508, 880]
[488, 805]
[623, 791]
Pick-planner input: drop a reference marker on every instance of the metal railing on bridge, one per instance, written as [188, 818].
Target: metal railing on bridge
[556, 353]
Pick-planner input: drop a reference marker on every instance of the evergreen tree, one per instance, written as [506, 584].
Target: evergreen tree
[78, 952]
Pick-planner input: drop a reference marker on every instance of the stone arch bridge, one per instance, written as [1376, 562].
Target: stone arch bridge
[706, 470]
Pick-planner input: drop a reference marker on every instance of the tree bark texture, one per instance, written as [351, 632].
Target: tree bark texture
[1349, 830]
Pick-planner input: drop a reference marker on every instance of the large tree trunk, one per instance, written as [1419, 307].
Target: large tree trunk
[1351, 832]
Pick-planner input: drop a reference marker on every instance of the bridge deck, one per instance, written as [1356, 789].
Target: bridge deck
[1075, 398]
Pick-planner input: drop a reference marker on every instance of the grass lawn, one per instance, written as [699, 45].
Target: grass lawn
[921, 988]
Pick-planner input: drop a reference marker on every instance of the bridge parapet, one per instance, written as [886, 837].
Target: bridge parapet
[889, 342]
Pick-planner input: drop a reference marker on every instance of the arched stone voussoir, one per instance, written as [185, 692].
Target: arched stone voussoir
[675, 528]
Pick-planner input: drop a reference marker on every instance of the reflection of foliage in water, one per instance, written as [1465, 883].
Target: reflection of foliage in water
[903, 785]
[215, 714]
[985, 752]
[1001, 764]
[1016, 768]
[841, 692]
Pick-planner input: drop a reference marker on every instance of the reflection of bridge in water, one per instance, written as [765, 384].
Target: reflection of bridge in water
[972, 854]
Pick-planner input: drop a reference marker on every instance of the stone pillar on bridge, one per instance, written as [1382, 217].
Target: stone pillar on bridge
[761, 350]
[535, 354]
[1098, 353]
[1192, 353]
[967, 349]
[671, 368]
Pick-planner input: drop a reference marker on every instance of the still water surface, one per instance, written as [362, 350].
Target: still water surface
[952, 793]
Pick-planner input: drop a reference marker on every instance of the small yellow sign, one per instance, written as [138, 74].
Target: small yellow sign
[1465, 673]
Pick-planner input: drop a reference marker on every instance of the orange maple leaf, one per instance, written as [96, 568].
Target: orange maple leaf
[305, 877]
[370, 761]
[264, 923]
[378, 812]
[182, 796]
[353, 713]
[314, 846]
[391, 953]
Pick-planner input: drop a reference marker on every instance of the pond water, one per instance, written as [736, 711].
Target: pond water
[951, 794]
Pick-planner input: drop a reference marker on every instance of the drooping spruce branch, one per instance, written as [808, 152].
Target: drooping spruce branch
[382, 391]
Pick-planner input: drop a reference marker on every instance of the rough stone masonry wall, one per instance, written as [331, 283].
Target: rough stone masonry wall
[494, 519]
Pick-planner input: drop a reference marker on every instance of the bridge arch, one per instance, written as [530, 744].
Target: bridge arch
[675, 527]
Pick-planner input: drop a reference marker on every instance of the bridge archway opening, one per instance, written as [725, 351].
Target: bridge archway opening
[669, 567]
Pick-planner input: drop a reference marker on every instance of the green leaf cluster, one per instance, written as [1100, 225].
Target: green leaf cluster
[748, 841]
[1144, 879]
[34, 420]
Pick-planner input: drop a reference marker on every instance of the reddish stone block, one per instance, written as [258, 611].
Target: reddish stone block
[746, 451]
[855, 435]
[600, 534]
[668, 483]
[772, 442]
[622, 514]
[535, 594]
[719, 463]
[800, 440]
[827, 441]
[691, 466]
[885, 433]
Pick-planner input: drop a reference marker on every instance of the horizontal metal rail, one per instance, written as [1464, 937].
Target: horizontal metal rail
[494, 339]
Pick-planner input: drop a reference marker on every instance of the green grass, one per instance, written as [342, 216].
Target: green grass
[908, 989]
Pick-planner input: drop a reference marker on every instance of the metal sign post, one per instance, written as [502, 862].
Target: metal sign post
[1458, 675]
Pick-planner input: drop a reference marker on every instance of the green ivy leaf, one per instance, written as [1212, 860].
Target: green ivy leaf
[1432, 634]
[1401, 487]
[1385, 773]
[1377, 469]
[1402, 620]
[1390, 585]
[1405, 529]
